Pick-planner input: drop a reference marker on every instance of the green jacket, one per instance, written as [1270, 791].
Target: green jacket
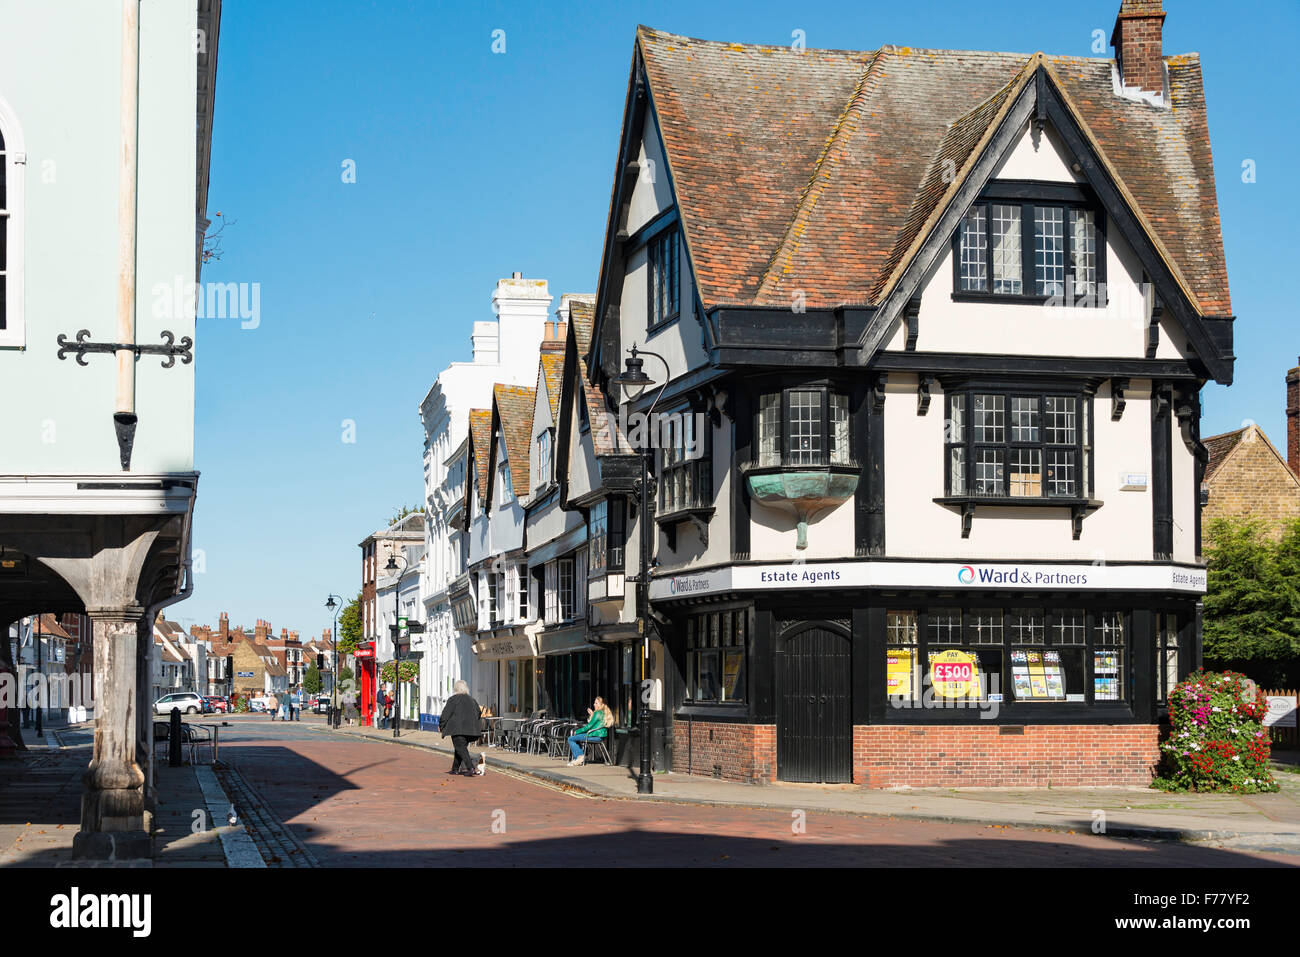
[595, 727]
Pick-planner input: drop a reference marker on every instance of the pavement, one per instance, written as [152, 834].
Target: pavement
[1261, 821]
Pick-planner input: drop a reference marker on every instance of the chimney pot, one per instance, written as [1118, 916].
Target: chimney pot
[516, 275]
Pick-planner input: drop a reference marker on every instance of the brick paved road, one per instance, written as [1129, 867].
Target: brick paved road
[364, 803]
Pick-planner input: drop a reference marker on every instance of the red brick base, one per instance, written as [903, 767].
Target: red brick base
[733, 752]
[1075, 755]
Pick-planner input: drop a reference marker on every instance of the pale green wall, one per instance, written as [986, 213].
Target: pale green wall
[59, 73]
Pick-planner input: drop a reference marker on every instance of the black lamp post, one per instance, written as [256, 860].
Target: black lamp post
[634, 381]
[393, 571]
[334, 604]
[40, 681]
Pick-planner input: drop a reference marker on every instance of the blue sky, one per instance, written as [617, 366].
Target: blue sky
[472, 164]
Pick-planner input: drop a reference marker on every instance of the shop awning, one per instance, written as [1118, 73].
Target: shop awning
[562, 641]
[505, 644]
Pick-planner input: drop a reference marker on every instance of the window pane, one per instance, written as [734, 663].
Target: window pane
[990, 418]
[806, 428]
[973, 271]
[956, 431]
[1024, 418]
[986, 626]
[988, 471]
[1049, 250]
[1006, 250]
[1060, 420]
[1026, 626]
[733, 676]
[839, 434]
[710, 681]
[1083, 255]
[1070, 627]
[957, 470]
[1026, 472]
[943, 626]
[902, 659]
[1062, 474]
[769, 429]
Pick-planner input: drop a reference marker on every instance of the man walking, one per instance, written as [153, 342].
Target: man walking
[462, 718]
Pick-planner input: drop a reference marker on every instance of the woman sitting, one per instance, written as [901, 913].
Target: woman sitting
[600, 717]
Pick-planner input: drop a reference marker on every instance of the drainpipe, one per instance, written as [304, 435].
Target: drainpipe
[124, 416]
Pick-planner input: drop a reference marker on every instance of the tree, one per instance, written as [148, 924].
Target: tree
[351, 630]
[405, 510]
[311, 682]
[1252, 601]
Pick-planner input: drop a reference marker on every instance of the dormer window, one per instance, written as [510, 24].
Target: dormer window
[1029, 240]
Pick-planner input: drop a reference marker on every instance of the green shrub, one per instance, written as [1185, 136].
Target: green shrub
[1217, 740]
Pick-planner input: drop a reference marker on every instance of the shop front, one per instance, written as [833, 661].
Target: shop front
[887, 674]
[514, 654]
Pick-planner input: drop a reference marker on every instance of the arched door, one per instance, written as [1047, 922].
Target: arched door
[814, 723]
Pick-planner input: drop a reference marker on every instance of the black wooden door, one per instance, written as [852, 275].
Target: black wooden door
[814, 724]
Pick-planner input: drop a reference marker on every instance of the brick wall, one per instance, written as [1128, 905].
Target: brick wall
[1253, 482]
[1138, 44]
[981, 756]
[733, 752]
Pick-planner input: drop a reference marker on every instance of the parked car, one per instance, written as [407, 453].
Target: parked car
[217, 703]
[189, 702]
[259, 705]
[322, 704]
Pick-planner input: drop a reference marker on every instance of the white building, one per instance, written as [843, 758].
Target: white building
[505, 350]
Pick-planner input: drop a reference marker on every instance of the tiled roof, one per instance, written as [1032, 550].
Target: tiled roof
[1219, 447]
[480, 432]
[836, 158]
[514, 406]
[581, 315]
[50, 628]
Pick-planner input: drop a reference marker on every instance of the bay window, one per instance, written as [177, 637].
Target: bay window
[805, 426]
[1019, 444]
[686, 474]
[1030, 241]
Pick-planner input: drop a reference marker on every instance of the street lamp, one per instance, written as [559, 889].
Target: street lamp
[334, 604]
[396, 629]
[634, 382]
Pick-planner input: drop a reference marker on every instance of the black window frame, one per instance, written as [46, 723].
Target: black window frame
[1049, 615]
[695, 489]
[785, 454]
[700, 645]
[962, 437]
[606, 536]
[1029, 195]
[663, 278]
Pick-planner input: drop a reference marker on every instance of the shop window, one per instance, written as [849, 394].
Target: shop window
[807, 426]
[1166, 655]
[552, 592]
[564, 579]
[1108, 680]
[716, 656]
[1017, 445]
[902, 656]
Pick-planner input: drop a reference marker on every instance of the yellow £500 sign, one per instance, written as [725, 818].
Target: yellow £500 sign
[953, 673]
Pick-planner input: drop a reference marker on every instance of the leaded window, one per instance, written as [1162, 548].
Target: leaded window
[807, 426]
[1019, 445]
[663, 278]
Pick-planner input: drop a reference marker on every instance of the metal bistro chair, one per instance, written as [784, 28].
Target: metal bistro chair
[597, 746]
[542, 739]
[489, 735]
[560, 739]
[198, 738]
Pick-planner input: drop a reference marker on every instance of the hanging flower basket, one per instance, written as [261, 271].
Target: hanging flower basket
[1217, 740]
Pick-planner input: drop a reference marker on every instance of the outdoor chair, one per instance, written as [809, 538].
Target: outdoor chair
[560, 738]
[198, 738]
[597, 746]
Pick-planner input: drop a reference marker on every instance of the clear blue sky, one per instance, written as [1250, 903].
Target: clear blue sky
[472, 164]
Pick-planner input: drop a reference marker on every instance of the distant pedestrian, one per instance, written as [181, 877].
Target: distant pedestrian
[273, 706]
[349, 708]
[462, 718]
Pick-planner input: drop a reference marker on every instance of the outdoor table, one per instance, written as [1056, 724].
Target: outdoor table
[216, 744]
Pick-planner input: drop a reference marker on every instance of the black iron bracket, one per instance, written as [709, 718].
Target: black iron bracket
[923, 394]
[1117, 401]
[168, 349]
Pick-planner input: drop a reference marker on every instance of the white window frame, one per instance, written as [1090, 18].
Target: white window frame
[14, 156]
[542, 456]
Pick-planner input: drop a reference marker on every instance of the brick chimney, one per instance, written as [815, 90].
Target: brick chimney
[259, 632]
[1138, 44]
[224, 627]
[1293, 419]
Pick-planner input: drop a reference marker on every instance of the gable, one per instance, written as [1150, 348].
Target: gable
[823, 171]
